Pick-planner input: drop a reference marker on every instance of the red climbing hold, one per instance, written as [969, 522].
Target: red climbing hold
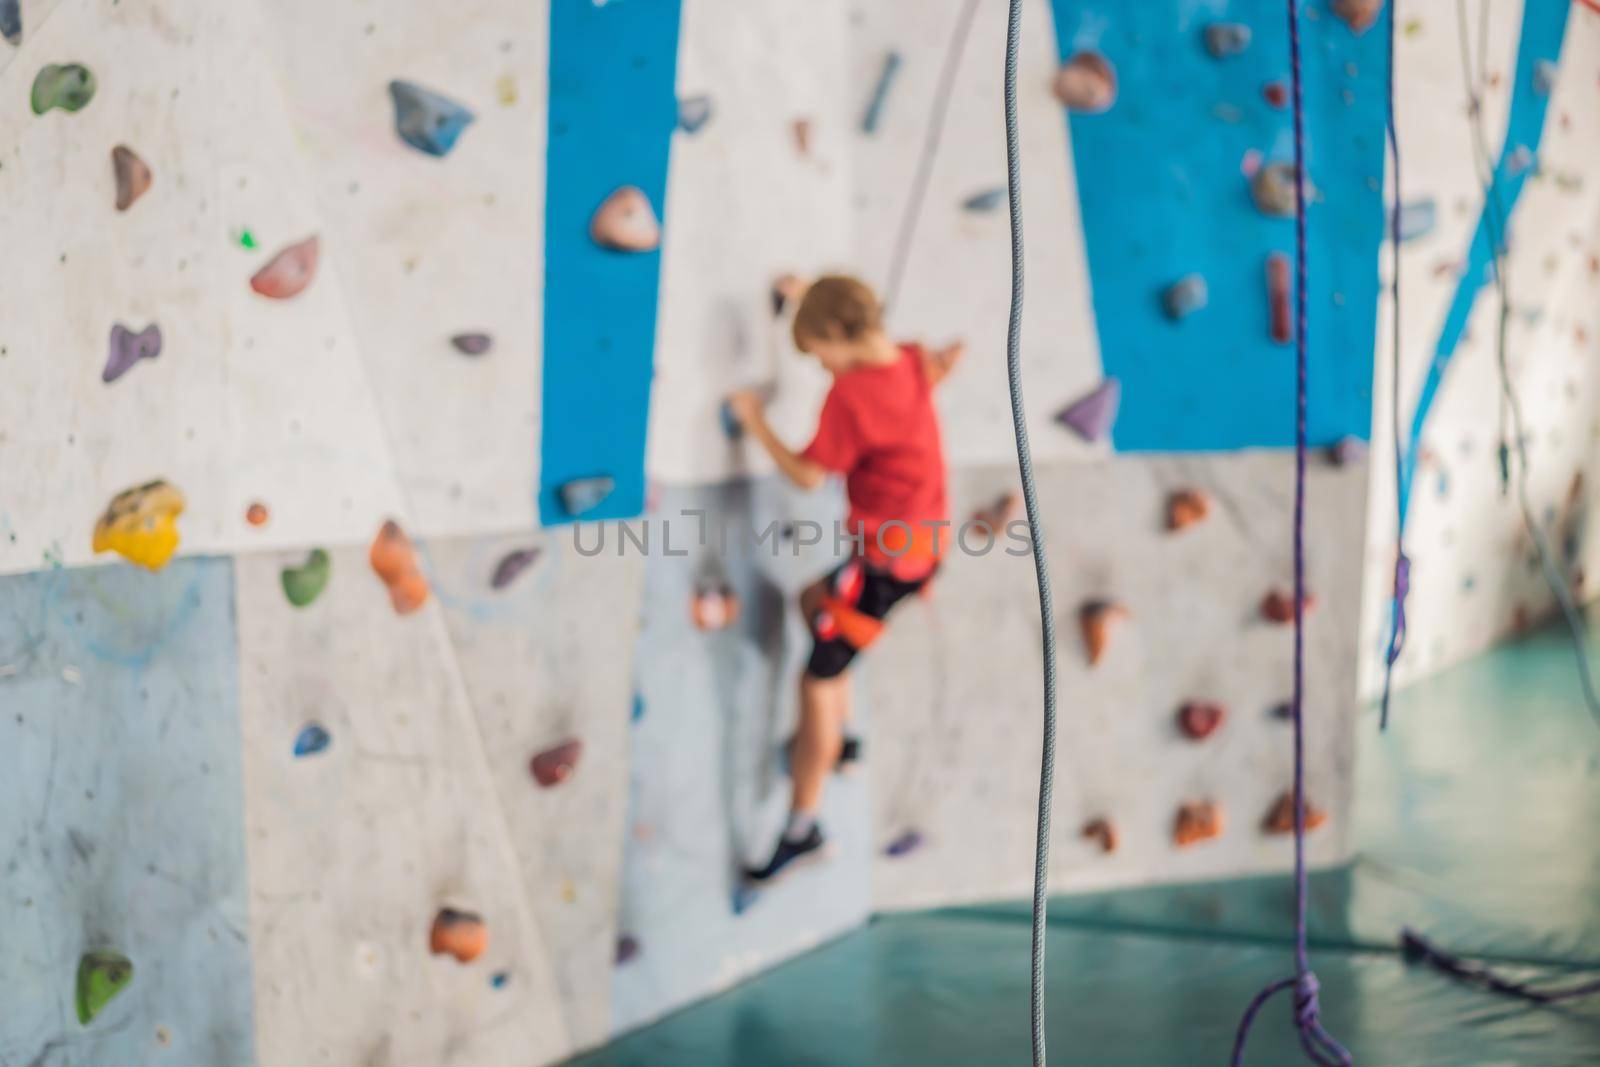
[1280, 820]
[1086, 83]
[1101, 832]
[1282, 322]
[458, 933]
[1275, 94]
[555, 765]
[1278, 606]
[1199, 721]
[1186, 508]
[1358, 14]
[1096, 619]
[289, 272]
[1196, 821]
[626, 222]
[714, 608]
[802, 136]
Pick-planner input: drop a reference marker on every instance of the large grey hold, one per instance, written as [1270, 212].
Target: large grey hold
[472, 344]
[1273, 190]
[1224, 39]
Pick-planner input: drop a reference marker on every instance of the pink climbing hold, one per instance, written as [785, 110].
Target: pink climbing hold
[1086, 83]
[1091, 415]
[1199, 720]
[555, 765]
[714, 608]
[1282, 322]
[625, 222]
[289, 272]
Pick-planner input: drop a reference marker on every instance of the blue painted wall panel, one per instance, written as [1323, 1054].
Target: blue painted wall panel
[121, 815]
[1163, 195]
[613, 107]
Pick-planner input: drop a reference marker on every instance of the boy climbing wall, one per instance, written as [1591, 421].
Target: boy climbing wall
[879, 429]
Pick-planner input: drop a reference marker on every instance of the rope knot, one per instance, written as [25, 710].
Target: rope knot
[1306, 1005]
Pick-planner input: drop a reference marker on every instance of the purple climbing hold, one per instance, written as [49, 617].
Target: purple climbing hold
[905, 844]
[128, 348]
[1347, 451]
[627, 948]
[693, 113]
[982, 203]
[583, 495]
[511, 566]
[1224, 39]
[1185, 296]
[425, 120]
[1091, 415]
[472, 344]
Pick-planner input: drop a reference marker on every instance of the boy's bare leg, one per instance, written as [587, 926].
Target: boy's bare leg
[824, 707]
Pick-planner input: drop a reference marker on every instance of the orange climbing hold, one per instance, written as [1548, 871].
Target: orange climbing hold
[458, 933]
[626, 222]
[141, 524]
[1278, 606]
[1096, 619]
[998, 513]
[555, 765]
[715, 608]
[1187, 507]
[395, 561]
[1280, 820]
[1359, 15]
[289, 272]
[132, 176]
[256, 514]
[1199, 720]
[1102, 833]
[1086, 83]
[1197, 821]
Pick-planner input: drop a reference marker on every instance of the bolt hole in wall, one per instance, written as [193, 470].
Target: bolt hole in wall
[408, 591]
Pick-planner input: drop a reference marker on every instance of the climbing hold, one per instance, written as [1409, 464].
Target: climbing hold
[1358, 14]
[1280, 819]
[1196, 821]
[1281, 322]
[1199, 720]
[1186, 507]
[555, 765]
[101, 976]
[132, 176]
[458, 933]
[583, 495]
[472, 344]
[1091, 415]
[904, 844]
[1347, 451]
[743, 896]
[305, 583]
[786, 290]
[1272, 189]
[627, 948]
[11, 21]
[141, 524]
[1224, 39]
[511, 566]
[625, 222]
[289, 272]
[1086, 83]
[1095, 619]
[1185, 296]
[714, 608]
[1521, 159]
[128, 348]
[68, 86]
[395, 561]
[802, 136]
[1417, 219]
[998, 513]
[311, 739]
[1101, 832]
[256, 514]
[693, 113]
[245, 238]
[1276, 94]
[732, 429]
[500, 979]
[1278, 606]
[1544, 77]
[1282, 712]
[637, 712]
[880, 93]
[981, 203]
[425, 120]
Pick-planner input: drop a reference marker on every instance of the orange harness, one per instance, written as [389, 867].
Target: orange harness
[840, 618]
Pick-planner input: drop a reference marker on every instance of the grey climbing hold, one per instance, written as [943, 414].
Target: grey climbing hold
[132, 176]
[1185, 296]
[1225, 39]
[1544, 76]
[583, 495]
[880, 93]
[68, 86]
[986, 201]
[128, 348]
[472, 344]
[693, 113]
[511, 566]
[11, 21]
[1417, 219]
[426, 120]
[1347, 451]
[1092, 415]
[1272, 189]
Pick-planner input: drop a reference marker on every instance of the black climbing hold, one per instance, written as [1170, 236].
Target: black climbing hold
[426, 120]
[511, 566]
[627, 948]
[472, 344]
[11, 21]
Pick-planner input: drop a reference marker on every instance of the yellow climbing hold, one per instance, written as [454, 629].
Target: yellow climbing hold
[141, 524]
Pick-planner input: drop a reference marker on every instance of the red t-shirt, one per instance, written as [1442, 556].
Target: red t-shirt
[879, 429]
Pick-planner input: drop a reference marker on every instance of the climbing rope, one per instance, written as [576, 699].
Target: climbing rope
[1318, 1044]
[1402, 565]
[1030, 499]
[1420, 949]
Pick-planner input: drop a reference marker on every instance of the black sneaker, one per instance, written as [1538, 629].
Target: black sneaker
[788, 855]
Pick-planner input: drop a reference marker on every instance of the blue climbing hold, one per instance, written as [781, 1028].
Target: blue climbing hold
[693, 113]
[1224, 39]
[425, 120]
[638, 707]
[1417, 219]
[880, 93]
[11, 21]
[986, 201]
[1185, 296]
[744, 895]
[312, 739]
[730, 425]
[906, 843]
[500, 979]
[583, 495]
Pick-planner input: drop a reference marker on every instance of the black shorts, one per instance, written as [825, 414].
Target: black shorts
[872, 593]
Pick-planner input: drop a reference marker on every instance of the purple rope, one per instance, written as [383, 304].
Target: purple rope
[1402, 565]
[1319, 1046]
[1419, 949]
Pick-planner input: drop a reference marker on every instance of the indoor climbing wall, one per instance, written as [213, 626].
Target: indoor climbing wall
[1475, 577]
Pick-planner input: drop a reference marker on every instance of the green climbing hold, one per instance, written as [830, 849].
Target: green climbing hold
[101, 976]
[246, 239]
[68, 86]
[305, 583]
